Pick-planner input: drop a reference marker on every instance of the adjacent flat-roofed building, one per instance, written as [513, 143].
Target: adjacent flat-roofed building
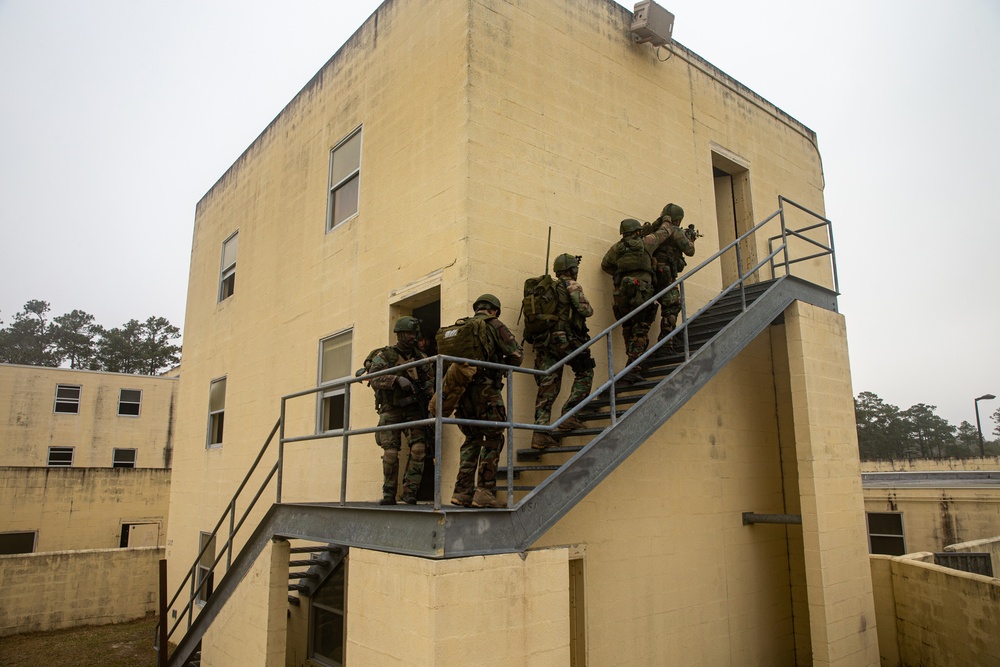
[84, 458]
[423, 165]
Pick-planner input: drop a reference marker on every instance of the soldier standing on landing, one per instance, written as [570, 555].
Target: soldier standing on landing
[482, 400]
[401, 398]
[569, 334]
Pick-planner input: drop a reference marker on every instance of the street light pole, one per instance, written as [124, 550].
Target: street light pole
[984, 397]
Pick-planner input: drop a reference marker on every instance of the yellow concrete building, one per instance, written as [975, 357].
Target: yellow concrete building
[84, 459]
[425, 164]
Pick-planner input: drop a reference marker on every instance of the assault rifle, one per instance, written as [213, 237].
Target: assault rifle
[692, 233]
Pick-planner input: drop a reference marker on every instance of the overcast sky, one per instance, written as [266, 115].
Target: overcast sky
[116, 117]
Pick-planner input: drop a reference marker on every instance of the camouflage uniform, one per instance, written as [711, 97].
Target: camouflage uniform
[397, 405]
[567, 337]
[483, 400]
[635, 285]
[668, 265]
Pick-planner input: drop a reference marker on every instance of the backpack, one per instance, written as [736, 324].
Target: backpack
[632, 256]
[369, 359]
[468, 338]
[545, 306]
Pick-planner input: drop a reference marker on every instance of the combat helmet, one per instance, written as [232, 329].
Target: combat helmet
[488, 299]
[629, 225]
[674, 212]
[407, 323]
[565, 262]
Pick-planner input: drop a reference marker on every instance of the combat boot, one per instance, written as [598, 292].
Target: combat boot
[461, 499]
[484, 498]
[632, 377]
[387, 500]
[542, 440]
[572, 424]
[409, 498]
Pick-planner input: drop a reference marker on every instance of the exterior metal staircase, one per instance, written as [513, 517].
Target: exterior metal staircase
[623, 417]
[656, 369]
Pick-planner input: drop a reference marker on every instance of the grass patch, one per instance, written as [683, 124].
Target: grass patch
[119, 645]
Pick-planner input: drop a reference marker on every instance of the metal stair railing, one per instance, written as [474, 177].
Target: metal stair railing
[227, 548]
[778, 246]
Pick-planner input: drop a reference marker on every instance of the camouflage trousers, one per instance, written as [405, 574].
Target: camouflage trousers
[391, 443]
[670, 303]
[549, 385]
[481, 449]
[636, 330]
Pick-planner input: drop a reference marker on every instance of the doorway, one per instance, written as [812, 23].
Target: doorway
[734, 215]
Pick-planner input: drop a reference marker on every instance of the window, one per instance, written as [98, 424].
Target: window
[216, 411]
[206, 578]
[334, 363]
[68, 399]
[60, 457]
[345, 179]
[326, 624]
[20, 542]
[885, 533]
[123, 458]
[129, 401]
[227, 274]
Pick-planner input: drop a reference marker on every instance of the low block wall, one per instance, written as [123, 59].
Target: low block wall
[990, 545]
[64, 589]
[932, 615]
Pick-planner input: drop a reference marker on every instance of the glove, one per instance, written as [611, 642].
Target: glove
[404, 383]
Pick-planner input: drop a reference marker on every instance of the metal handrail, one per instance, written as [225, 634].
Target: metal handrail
[440, 361]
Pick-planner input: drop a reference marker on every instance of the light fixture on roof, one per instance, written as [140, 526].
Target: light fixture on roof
[651, 24]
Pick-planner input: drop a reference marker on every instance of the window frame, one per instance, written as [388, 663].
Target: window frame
[352, 174]
[61, 450]
[339, 571]
[122, 401]
[885, 537]
[227, 272]
[34, 541]
[68, 401]
[204, 576]
[216, 418]
[115, 463]
[326, 399]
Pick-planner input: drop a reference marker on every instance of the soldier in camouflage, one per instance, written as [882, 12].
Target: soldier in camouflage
[669, 264]
[568, 335]
[630, 263]
[482, 400]
[401, 398]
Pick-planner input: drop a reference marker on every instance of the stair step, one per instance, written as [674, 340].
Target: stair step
[316, 549]
[303, 575]
[502, 472]
[309, 563]
[298, 587]
[535, 454]
[293, 599]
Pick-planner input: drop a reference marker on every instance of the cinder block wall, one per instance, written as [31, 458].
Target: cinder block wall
[82, 508]
[914, 594]
[250, 629]
[509, 609]
[69, 588]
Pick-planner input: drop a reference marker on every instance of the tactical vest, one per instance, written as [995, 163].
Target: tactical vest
[632, 257]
